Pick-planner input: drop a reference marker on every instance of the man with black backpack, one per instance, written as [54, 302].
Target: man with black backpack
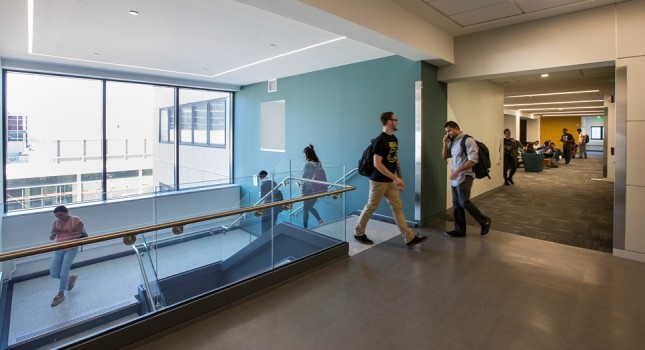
[583, 139]
[461, 178]
[385, 181]
[269, 189]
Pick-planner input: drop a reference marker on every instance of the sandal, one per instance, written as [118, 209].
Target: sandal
[71, 282]
[57, 300]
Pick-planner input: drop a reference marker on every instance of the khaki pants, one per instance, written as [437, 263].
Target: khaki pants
[378, 190]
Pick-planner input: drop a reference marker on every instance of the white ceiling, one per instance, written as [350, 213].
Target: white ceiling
[232, 42]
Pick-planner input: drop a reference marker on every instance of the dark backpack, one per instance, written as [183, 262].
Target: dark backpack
[482, 167]
[319, 175]
[586, 138]
[277, 195]
[366, 163]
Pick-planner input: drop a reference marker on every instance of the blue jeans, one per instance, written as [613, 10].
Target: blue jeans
[582, 150]
[461, 202]
[61, 263]
[308, 206]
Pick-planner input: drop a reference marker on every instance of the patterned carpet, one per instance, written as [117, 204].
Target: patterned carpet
[570, 205]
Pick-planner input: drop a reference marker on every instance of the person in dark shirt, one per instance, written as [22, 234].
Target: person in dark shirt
[385, 181]
[270, 215]
[567, 145]
[511, 153]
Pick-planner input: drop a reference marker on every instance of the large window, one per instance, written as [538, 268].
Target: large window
[130, 132]
[16, 128]
[92, 139]
[203, 118]
[597, 133]
[200, 123]
[167, 125]
[64, 139]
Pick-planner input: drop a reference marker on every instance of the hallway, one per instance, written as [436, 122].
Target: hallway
[503, 291]
[570, 204]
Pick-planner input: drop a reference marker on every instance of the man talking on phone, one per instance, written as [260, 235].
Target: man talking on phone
[461, 179]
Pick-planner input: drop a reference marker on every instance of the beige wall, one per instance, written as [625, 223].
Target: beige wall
[630, 50]
[585, 38]
[633, 153]
[478, 109]
[598, 37]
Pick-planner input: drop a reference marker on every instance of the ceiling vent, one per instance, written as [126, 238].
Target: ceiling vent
[273, 85]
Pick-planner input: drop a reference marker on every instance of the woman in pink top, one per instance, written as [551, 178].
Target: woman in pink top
[66, 227]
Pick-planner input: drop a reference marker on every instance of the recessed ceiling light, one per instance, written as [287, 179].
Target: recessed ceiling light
[133, 12]
[556, 93]
[551, 103]
[278, 56]
[545, 75]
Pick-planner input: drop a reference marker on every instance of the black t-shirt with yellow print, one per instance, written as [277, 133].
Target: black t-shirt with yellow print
[387, 147]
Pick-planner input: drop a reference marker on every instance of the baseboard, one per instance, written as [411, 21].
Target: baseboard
[626, 254]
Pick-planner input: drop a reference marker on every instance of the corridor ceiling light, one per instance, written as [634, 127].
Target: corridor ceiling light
[552, 103]
[573, 111]
[570, 115]
[556, 93]
[559, 108]
[545, 75]
[578, 112]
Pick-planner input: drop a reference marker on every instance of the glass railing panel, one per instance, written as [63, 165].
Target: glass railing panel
[106, 293]
[329, 209]
[118, 284]
[152, 295]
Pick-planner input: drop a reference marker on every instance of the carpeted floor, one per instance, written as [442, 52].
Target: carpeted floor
[570, 205]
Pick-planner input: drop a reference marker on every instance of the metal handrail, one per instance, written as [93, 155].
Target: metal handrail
[350, 173]
[21, 253]
[282, 183]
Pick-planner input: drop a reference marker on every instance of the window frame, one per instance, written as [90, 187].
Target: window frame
[211, 123]
[165, 135]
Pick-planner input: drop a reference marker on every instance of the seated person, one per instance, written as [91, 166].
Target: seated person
[542, 147]
[552, 152]
[529, 148]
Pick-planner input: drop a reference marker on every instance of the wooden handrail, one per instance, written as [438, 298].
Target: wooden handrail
[21, 253]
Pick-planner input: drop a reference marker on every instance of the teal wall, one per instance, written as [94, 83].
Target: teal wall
[337, 110]
[433, 168]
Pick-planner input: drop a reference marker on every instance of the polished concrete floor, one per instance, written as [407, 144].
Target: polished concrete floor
[502, 291]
